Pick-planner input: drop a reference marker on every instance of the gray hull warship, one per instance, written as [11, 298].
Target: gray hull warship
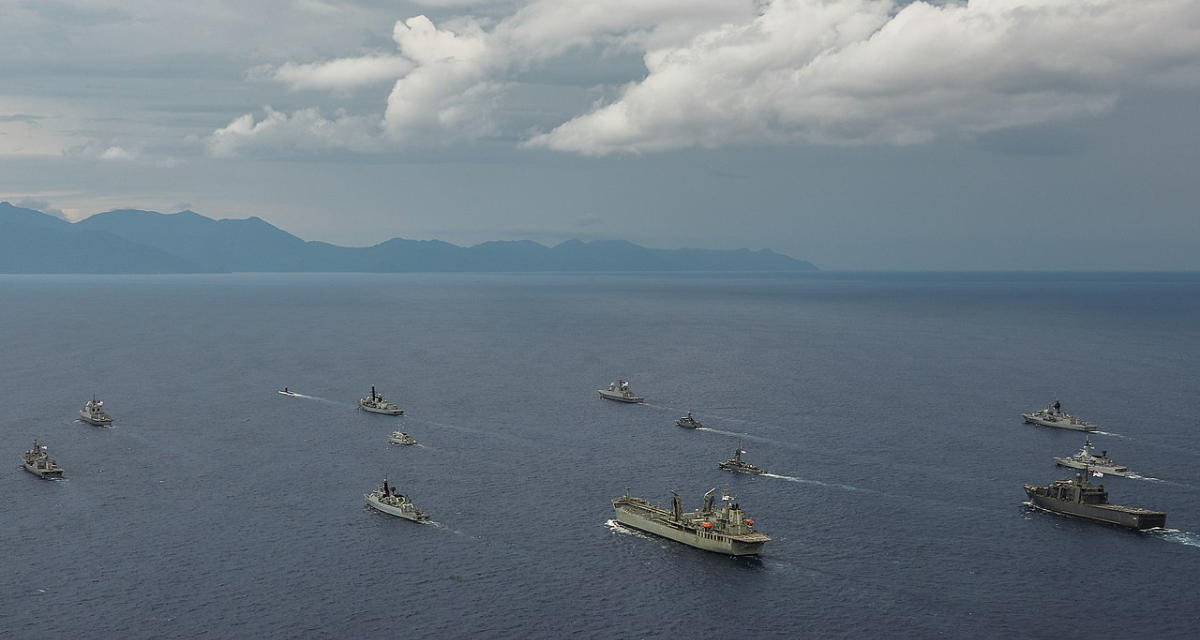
[1054, 416]
[688, 422]
[1086, 459]
[376, 403]
[620, 392]
[93, 413]
[737, 465]
[392, 502]
[1082, 499]
[726, 530]
[38, 462]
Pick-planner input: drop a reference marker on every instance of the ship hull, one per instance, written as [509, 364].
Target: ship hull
[1128, 517]
[394, 511]
[616, 397]
[665, 530]
[1108, 471]
[754, 472]
[1059, 424]
[93, 421]
[41, 473]
[386, 412]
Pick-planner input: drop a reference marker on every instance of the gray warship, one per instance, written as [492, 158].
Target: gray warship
[1054, 416]
[737, 465]
[620, 392]
[376, 403]
[1080, 498]
[38, 462]
[725, 530]
[93, 413]
[392, 502]
[688, 422]
[1086, 459]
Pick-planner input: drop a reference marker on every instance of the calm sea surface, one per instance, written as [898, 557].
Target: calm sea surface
[887, 405]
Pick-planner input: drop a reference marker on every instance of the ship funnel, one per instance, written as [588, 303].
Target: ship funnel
[676, 506]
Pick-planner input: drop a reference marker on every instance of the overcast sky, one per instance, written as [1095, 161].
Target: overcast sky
[858, 134]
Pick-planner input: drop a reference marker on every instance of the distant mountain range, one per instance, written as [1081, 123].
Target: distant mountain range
[132, 241]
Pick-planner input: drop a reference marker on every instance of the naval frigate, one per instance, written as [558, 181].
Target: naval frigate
[38, 462]
[1054, 416]
[725, 530]
[392, 502]
[376, 403]
[1080, 498]
[688, 422]
[737, 465]
[620, 392]
[1086, 459]
[93, 413]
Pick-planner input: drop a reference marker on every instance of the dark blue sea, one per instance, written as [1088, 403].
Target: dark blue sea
[886, 405]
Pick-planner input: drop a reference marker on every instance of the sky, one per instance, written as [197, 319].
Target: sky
[857, 134]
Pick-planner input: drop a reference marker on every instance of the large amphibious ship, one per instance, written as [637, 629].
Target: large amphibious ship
[376, 403]
[1054, 416]
[1085, 459]
[93, 413]
[620, 392]
[38, 462]
[725, 530]
[392, 502]
[1082, 499]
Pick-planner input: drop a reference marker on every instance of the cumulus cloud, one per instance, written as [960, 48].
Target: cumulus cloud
[306, 130]
[749, 72]
[102, 151]
[341, 74]
[863, 71]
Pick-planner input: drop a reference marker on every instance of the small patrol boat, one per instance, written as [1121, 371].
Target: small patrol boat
[1054, 416]
[399, 437]
[726, 530]
[688, 422]
[288, 392]
[38, 462]
[376, 403]
[1082, 499]
[736, 464]
[392, 502]
[93, 413]
[620, 392]
[1085, 459]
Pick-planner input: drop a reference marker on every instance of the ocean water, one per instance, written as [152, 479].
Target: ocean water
[886, 408]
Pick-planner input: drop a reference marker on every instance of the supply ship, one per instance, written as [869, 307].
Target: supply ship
[724, 530]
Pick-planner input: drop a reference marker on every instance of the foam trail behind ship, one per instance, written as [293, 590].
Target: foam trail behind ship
[1186, 538]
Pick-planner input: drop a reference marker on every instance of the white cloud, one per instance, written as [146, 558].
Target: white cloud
[750, 72]
[341, 74]
[862, 71]
[303, 131]
[102, 151]
[116, 153]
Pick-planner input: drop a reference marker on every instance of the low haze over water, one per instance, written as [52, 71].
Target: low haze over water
[887, 406]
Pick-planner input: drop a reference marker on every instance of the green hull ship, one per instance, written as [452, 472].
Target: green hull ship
[726, 530]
